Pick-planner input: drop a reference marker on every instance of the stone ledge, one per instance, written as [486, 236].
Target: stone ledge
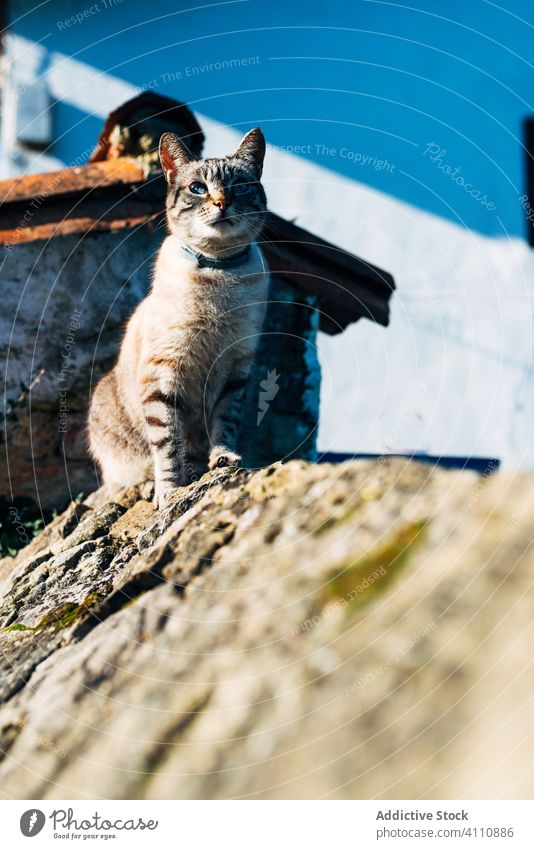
[348, 631]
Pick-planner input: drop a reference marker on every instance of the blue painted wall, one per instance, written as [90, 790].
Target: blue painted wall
[362, 88]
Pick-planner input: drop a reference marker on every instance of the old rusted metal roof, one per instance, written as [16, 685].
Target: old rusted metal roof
[115, 191]
[100, 196]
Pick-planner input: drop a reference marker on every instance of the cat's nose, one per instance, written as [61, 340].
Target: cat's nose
[220, 201]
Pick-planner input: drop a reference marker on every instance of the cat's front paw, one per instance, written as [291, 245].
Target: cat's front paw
[221, 457]
[162, 495]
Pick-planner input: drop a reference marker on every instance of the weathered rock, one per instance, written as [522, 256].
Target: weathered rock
[360, 630]
[61, 333]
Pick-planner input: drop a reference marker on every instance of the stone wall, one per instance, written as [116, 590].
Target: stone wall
[281, 413]
[65, 302]
[352, 631]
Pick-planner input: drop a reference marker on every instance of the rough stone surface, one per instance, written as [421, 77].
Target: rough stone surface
[352, 631]
[65, 302]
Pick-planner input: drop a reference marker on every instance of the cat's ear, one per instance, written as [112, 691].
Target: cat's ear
[252, 149]
[173, 154]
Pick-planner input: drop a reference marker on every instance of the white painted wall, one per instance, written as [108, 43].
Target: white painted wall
[453, 372]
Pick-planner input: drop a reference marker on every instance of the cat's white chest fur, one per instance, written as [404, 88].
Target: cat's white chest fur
[212, 314]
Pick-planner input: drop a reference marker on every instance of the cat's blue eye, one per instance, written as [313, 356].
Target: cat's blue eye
[242, 188]
[198, 188]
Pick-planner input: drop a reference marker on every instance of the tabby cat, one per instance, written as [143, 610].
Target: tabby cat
[170, 408]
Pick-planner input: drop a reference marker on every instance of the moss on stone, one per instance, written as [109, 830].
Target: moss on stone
[67, 614]
[60, 617]
[362, 579]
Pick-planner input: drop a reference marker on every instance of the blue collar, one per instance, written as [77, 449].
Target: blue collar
[203, 261]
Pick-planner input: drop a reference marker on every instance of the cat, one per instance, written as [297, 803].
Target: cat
[171, 406]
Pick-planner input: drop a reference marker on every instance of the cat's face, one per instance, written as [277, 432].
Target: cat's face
[215, 204]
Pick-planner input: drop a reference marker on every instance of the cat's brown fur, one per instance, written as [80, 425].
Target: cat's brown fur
[171, 405]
